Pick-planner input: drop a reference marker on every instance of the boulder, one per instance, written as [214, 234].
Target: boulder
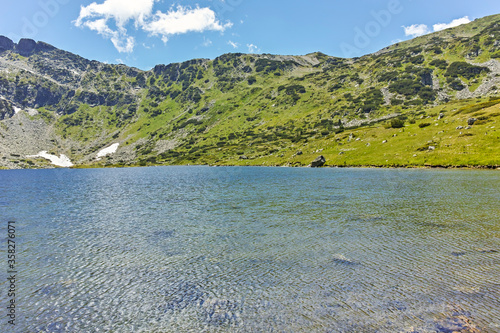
[471, 121]
[441, 116]
[26, 46]
[6, 44]
[318, 162]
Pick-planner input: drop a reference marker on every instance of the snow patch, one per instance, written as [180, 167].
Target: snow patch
[107, 151]
[62, 160]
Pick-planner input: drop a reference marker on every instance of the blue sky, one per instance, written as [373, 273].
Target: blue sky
[143, 33]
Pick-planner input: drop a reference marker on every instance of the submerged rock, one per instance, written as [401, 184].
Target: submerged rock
[183, 295]
[318, 162]
[221, 312]
[457, 324]
[162, 234]
[342, 260]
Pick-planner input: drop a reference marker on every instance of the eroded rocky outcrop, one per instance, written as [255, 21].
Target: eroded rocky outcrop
[26, 47]
[6, 109]
[6, 44]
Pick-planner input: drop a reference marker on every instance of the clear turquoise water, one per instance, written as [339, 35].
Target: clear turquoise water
[199, 249]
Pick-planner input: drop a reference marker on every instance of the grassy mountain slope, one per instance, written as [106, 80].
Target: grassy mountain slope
[241, 109]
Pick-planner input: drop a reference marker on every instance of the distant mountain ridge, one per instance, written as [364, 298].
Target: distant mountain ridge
[235, 109]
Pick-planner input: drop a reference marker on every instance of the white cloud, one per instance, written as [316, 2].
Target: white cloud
[184, 20]
[206, 42]
[252, 48]
[416, 30]
[119, 38]
[452, 24]
[233, 44]
[181, 20]
[121, 11]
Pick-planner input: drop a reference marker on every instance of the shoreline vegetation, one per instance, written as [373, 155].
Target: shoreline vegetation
[326, 166]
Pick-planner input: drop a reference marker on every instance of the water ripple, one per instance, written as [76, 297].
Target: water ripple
[258, 250]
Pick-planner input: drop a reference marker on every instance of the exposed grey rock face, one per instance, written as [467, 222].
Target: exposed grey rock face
[44, 47]
[6, 109]
[26, 46]
[318, 162]
[50, 77]
[6, 44]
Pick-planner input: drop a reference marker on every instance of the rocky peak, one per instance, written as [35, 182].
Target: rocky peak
[6, 44]
[25, 47]
[41, 46]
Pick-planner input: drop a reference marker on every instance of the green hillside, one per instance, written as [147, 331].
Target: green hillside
[378, 110]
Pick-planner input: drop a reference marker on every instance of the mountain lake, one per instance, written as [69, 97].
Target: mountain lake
[252, 249]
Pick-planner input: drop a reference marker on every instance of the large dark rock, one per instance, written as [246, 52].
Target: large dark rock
[471, 121]
[25, 47]
[6, 44]
[318, 162]
[41, 46]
